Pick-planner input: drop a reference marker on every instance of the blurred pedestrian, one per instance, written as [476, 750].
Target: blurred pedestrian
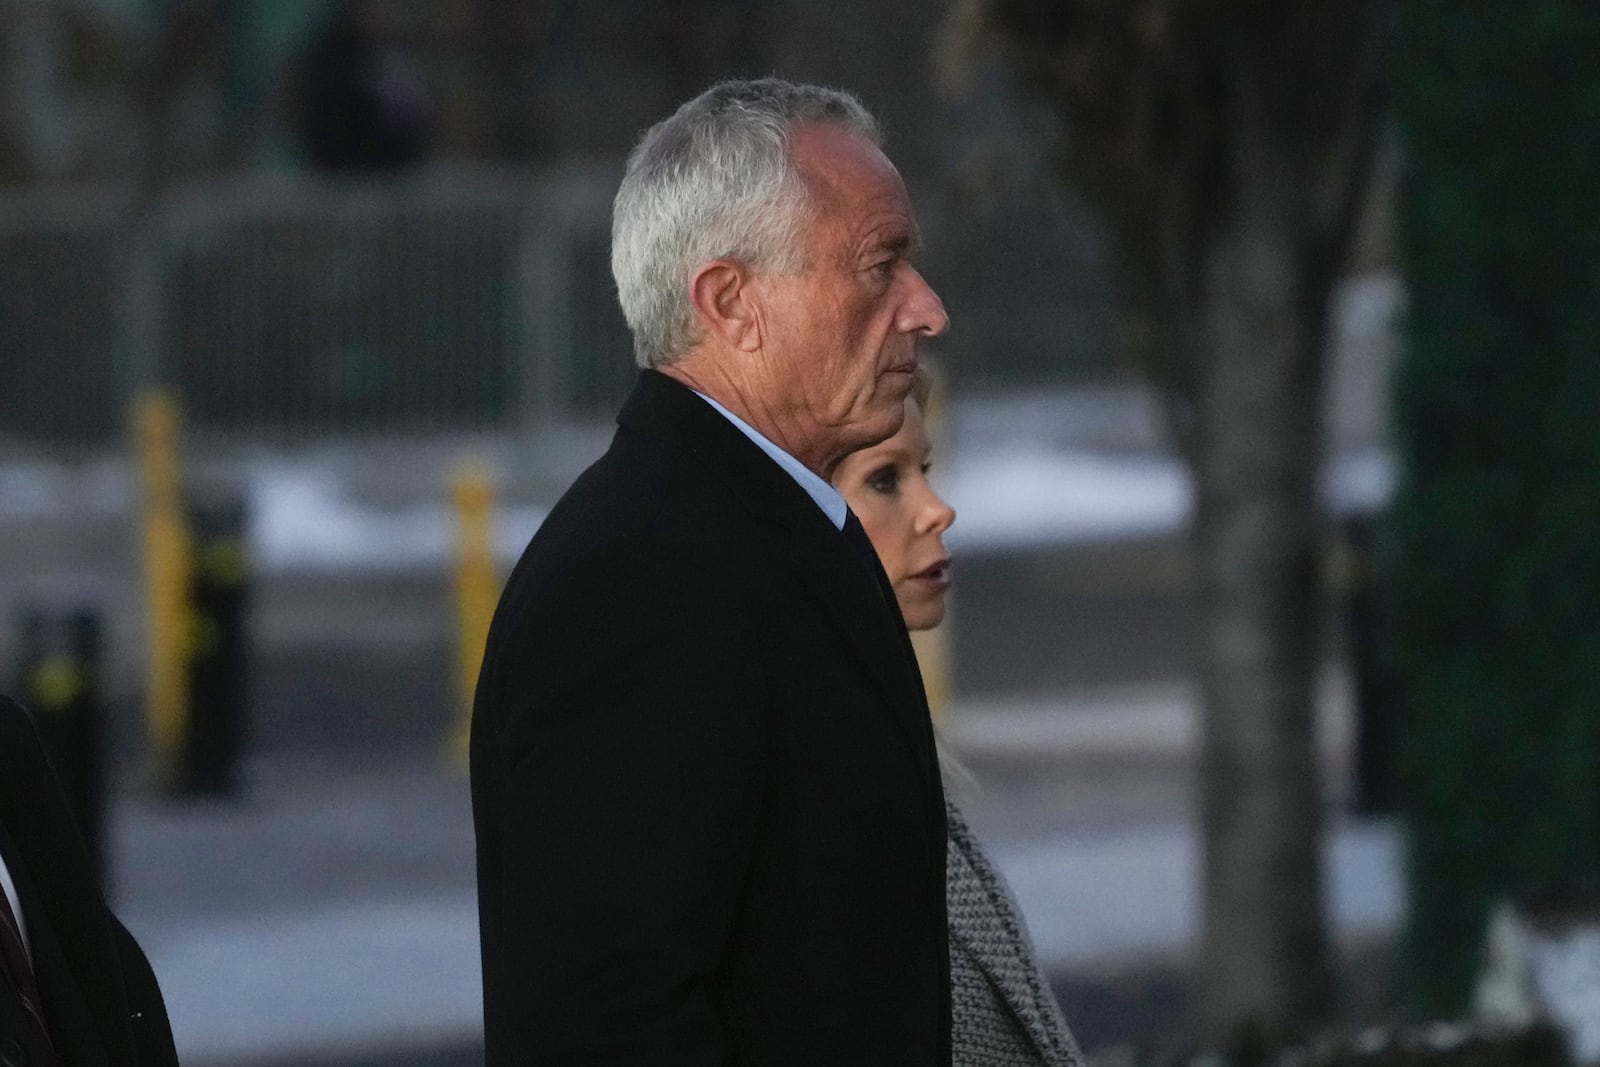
[1003, 1014]
[709, 818]
[363, 106]
[75, 988]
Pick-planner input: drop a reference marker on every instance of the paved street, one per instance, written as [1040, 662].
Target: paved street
[325, 917]
[328, 916]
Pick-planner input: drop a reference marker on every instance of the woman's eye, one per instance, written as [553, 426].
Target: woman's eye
[884, 481]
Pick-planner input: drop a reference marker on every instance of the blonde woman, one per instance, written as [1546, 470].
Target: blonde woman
[1003, 1013]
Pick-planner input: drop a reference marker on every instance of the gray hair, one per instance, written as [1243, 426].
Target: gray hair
[714, 181]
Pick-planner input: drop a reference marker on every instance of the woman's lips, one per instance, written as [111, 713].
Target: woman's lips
[936, 576]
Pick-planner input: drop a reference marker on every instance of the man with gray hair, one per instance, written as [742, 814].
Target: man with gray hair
[709, 819]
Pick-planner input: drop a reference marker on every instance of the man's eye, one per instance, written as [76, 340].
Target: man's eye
[884, 268]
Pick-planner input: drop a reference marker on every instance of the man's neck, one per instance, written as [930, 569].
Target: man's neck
[748, 403]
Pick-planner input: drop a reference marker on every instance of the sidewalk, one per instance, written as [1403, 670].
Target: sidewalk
[331, 914]
[1085, 803]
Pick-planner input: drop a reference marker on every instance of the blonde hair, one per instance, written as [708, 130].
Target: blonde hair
[955, 774]
[927, 387]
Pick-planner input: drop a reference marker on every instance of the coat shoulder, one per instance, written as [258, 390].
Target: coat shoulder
[641, 521]
[1002, 1009]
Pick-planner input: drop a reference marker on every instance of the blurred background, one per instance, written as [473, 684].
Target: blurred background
[1266, 416]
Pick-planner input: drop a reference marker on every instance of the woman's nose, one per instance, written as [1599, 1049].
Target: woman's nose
[937, 516]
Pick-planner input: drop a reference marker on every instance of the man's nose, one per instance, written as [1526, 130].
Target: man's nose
[923, 311]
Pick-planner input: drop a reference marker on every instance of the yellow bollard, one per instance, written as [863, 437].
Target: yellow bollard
[156, 426]
[476, 591]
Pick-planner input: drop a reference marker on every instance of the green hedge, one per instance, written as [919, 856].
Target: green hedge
[1495, 530]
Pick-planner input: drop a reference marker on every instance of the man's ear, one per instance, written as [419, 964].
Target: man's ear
[725, 301]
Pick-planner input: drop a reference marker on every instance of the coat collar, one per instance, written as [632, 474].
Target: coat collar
[662, 407]
[665, 408]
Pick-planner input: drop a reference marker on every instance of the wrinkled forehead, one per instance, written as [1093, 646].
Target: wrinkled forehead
[838, 163]
[856, 193]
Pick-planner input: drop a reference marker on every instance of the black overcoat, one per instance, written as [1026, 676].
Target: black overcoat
[709, 820]
[100, 995]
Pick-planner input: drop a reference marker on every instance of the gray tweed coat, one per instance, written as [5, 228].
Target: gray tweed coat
[1004, 1014]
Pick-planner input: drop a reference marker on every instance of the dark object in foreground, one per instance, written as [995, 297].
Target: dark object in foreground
[708, 813]
[207, 759]
[58, 673]
[98, 996]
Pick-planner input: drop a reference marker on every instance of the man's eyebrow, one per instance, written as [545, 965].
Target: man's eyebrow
[901, 244]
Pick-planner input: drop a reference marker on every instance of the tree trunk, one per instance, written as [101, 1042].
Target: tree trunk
[18, 21]
[1264, 957]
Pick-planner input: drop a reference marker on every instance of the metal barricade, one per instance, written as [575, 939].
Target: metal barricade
[577, 328]
[300, 308]
[61, 367]
[290, 308]
[293, 307]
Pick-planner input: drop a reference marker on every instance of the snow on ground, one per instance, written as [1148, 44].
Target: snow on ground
[303, 518]
[1019, 496]
[1006, 498]
[1017, 476]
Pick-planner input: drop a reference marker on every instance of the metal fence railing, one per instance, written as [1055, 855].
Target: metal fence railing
[570, 305]
[62, 371]
[364, 309]
[291, 308]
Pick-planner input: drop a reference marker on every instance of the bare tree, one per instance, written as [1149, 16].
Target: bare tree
[85, 97]
[185, 55]
[1226, 145]
[62, 65]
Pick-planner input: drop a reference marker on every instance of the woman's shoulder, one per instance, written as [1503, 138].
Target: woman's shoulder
[995, 975]
[976, 892]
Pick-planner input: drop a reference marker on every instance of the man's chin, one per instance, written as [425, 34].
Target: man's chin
[899, 380]
[882, 425]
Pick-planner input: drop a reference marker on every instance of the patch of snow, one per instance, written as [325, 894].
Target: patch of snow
[1019, 496]
[1028, 474]
[30, 491]
[302, 519]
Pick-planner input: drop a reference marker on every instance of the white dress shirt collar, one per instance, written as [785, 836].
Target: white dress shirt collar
[9, 887]
[826, 496]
